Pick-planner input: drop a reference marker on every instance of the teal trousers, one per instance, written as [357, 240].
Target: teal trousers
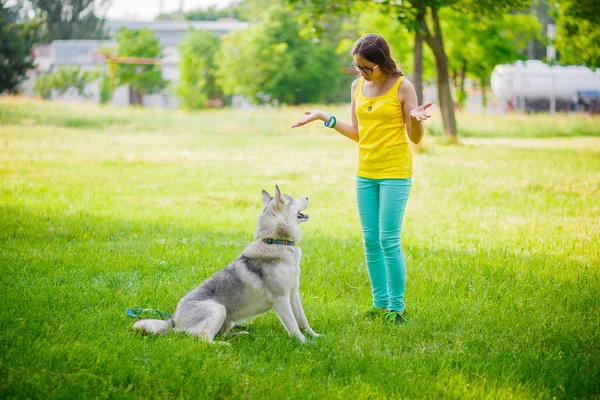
[381, 204]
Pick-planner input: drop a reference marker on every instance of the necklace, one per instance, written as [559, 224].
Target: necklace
[371, 98]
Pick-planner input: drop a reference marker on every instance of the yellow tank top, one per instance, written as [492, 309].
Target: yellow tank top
[383, 150]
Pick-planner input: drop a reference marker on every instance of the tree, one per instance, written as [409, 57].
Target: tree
[142, 79]
[273, 61]
[423, 17]
[69, 19]
[578, 32]
[16, 42]
[433, 38]
[537, 47]
[400, 41]
[212, 13]
[476, 44]
[197, 68]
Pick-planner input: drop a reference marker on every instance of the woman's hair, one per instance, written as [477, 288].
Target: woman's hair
[375, 49]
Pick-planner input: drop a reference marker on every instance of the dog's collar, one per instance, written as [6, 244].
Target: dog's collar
[279, 241]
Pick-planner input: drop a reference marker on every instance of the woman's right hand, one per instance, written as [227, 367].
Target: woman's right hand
[310, 116]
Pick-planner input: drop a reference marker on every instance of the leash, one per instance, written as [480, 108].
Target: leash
[147, 313]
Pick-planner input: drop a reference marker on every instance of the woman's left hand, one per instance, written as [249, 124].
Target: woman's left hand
[420, 113]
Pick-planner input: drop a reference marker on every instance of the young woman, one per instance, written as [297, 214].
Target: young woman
[384, 113]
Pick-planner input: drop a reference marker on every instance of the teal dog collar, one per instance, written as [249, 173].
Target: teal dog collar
[278, 241]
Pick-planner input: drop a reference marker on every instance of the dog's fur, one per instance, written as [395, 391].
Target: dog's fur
[264, 276]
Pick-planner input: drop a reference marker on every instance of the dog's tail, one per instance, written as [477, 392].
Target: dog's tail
[154, 326]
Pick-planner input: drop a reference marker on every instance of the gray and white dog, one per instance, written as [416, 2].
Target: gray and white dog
[264, 276]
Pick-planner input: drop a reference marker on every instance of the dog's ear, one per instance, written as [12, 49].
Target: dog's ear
[266, 197]
[280, 197]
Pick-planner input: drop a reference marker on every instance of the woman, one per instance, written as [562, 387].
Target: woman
[384, 111]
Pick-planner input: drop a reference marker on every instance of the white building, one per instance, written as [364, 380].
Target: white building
[85, 54]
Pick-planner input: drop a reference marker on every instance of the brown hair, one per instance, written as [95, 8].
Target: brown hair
[375, 49]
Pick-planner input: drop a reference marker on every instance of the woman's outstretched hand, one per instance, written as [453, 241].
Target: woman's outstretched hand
[420, 113]
[309, 116]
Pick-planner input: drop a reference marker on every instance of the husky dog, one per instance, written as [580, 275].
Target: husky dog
[264, 276]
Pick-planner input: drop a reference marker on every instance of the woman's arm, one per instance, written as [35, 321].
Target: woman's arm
[348, 130]
[413, 114]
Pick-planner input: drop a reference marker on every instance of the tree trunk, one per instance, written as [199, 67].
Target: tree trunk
[135, 96]
[484, 101]
[463, 76]
[418, 54]
[445, 94]
[443, 77]
[417, 77]
[462, 98]
[454, 77]
[456, 85]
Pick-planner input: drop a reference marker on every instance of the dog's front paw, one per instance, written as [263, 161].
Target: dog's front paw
[300, 337]
[313, 333]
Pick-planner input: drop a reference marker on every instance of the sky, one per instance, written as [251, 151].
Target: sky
[146, 10]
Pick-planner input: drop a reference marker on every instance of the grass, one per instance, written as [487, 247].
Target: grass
[102, 209]
[25, 112]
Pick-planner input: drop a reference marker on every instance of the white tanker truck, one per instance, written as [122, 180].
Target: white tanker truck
[535, 86]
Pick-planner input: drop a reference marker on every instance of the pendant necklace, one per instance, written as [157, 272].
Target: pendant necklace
[370, 98]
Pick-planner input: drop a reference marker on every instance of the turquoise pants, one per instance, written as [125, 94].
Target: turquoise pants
[381, 204]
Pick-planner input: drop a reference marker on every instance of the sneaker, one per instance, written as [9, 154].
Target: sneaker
[395, 317]
[375, 312]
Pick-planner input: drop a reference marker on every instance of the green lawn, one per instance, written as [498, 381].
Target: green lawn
[102, 209]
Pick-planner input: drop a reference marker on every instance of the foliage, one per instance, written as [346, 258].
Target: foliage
[16, 42]
[578, 32]
[106, 90]
[398, 36]
[72, 19]
[421, 16]
[273, 61]
[197, 68]
[476, 44]
[537, 47]
[43, 86]
[63, 79]
[146, 79]
[211, 13]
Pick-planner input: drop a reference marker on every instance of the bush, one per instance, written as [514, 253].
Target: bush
[106, 91]
[63, 79]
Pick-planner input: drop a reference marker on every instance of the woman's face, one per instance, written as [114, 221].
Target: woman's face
[367, 69]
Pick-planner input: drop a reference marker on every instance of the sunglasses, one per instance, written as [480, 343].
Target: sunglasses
[366, 70]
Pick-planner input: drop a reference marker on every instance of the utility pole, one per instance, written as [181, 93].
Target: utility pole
[551, 56]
